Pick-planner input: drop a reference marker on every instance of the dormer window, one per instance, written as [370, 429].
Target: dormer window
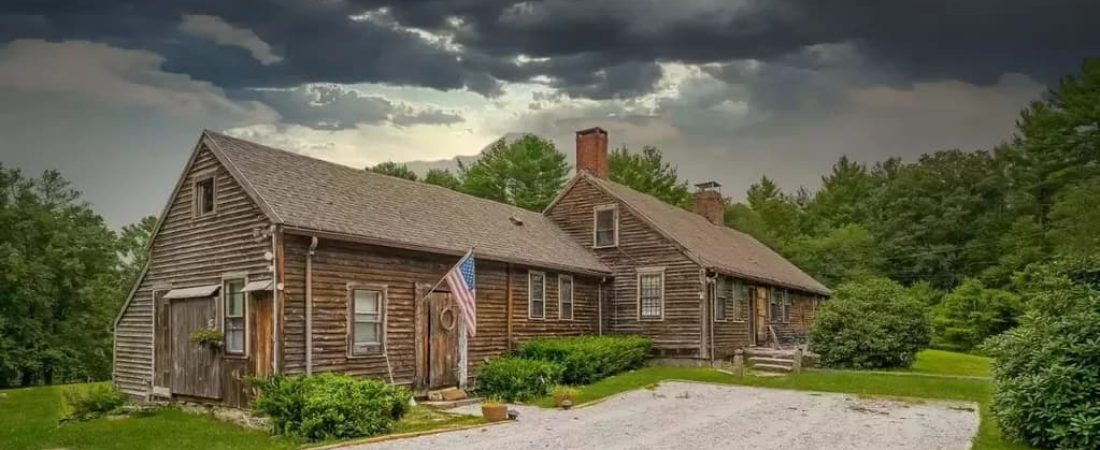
[204, 197]
[605, 226]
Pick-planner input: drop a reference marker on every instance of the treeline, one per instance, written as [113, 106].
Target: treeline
[63, 277]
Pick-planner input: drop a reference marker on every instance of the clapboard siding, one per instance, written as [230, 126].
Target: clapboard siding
[640, 245]
[803, 311]
[190, 252]
[733, 333]
[337, 263]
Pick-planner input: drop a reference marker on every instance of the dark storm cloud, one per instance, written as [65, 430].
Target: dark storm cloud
[326, 107]
[594, 49]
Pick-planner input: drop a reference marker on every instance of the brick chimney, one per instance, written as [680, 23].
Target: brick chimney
[709, 202]
[592, 151]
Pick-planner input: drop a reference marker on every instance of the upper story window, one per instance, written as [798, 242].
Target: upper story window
[651, 294]
[536, 295]
[204, 196]
[605, 227]
[234, 317]
[367, 317]
[565, 297]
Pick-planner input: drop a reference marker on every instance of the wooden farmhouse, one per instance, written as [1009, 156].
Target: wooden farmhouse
[304, 266]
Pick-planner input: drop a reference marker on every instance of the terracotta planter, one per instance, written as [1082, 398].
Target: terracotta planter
[495, 412]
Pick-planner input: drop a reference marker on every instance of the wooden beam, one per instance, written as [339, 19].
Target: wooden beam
[508, 305]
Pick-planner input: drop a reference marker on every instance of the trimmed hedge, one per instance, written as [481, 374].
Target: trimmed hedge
[512, 379]
[587, 359]
[330, 406]
[870, 324]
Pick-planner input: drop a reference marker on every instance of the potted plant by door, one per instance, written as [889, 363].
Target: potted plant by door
[494, 410]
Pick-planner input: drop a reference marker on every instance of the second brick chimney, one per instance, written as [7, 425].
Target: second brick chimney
[709, 202]
[592, 151]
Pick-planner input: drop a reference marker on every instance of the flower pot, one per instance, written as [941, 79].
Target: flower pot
[496, 412]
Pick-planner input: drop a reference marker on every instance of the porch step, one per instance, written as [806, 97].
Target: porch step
[448, 395]
[444, 404]
[769, 353]
[757, 360]
[772, 368]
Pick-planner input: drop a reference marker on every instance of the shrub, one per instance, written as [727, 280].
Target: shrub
[512, 379]
[85, 402]
[330, 406]
[1047, 370]
[586, 359]
[971, 314]
[868, 324]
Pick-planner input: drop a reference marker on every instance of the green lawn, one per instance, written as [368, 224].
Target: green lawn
[853, 382]
[29, 420]
[940, 362]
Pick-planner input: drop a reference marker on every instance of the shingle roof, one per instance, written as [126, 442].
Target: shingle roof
[716, 247]
[311, 194]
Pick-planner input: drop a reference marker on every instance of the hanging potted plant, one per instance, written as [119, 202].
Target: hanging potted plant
[210, 338]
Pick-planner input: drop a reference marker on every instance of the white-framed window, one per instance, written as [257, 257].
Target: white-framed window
[605, 226]
[723, 291]
[565, 297]
[536, 295]
[233, 300]
[204, 191]
[651, 293]
[774, 312]
[366, 320]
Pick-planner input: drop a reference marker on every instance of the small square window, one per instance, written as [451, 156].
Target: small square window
[204, 197]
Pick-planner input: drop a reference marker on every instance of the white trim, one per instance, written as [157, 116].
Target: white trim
[572, 299]
[530, 296]
[639, 272]
[596, 210]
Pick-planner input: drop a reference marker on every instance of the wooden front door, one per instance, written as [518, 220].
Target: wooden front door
[442, 341]
[261, 325]
[760, 314]
[196, 370]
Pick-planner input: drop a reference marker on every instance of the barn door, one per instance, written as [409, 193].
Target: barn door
[196, 370]
[442, 341]
[760, 314]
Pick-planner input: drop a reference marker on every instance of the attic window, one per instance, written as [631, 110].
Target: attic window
[605, 226]
[204, 196]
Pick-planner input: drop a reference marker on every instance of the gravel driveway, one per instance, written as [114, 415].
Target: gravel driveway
[679, 415]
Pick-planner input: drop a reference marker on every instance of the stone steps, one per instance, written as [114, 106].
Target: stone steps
[756, 360]
[777, 368]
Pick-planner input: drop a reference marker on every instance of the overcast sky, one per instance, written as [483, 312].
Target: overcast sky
[115, 93]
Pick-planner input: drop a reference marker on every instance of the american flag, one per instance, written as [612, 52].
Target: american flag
[463, 288]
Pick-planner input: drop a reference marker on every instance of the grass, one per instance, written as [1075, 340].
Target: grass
[29, 420]
[941, 362]
[852, 382]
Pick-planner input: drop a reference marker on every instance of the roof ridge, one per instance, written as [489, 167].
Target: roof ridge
[366, 172]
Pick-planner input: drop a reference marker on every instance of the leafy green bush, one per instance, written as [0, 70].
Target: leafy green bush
[1047, 370]
[512, 379]
[85, 402]
[971, 314]
[586, 359]
[330, 406]
[869, 324]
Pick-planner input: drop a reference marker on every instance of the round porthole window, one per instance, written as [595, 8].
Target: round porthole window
[447, 318]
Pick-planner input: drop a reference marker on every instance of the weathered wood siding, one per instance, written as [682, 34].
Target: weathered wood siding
[803, 311]
[336, 263]
[189, 252]
[733, 333]
[680, 333]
